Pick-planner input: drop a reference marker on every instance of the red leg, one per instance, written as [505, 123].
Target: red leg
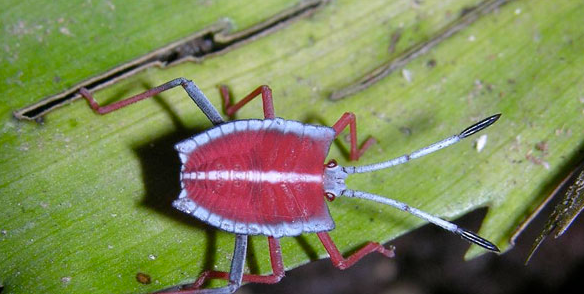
[349, 119]
[344, 263]
[191, 89]
[231, 109]
[275, 277]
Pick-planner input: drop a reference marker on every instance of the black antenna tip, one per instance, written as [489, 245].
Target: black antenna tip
[474, 238]
[483, 124]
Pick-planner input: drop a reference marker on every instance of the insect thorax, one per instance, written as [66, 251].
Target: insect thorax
[334, 179]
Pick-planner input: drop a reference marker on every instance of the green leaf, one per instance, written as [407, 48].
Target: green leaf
[86, 198]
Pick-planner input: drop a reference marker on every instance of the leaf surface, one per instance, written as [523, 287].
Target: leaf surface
[86, 198]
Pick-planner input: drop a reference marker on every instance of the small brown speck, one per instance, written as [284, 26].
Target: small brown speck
[56, 79]
[143, 278]
[394, 40]
[542, 146]
[536, 160]
[431, 63]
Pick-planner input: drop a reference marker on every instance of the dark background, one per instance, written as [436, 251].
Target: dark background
[430, 260]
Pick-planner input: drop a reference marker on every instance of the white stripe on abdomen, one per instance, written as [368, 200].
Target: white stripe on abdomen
[253, 176]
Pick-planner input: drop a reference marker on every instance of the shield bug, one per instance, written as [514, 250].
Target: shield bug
[269, 177]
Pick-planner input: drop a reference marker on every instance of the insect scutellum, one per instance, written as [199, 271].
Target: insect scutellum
[335, 175]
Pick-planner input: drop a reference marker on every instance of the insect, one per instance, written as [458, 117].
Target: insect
[269, 177]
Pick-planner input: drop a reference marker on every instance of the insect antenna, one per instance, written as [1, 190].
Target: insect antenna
[463, 233]
[426, 150]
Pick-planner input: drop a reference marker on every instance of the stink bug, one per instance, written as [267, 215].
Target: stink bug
[269, 177]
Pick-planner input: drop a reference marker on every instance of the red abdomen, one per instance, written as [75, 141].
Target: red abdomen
[257, 177]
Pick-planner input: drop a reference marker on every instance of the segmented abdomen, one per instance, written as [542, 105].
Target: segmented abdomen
[257, 177]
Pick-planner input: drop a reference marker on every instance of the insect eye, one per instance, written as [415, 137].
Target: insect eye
[332, 163]
[329, 196]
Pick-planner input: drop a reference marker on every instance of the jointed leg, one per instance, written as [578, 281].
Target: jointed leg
[276, 276]
[231, 109]
[193, 91]
[343, 263]
[234, 276]
[349, 119]
[277, 265]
